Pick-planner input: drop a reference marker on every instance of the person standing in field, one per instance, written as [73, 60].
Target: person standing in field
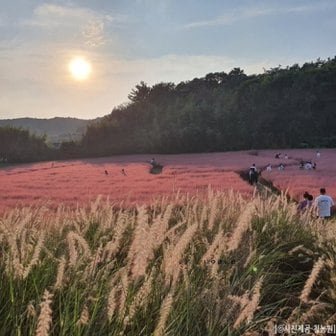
[324, 203]
[253, 174]
[306, 202]
[281, 166]
[318, 154]
[310, 200]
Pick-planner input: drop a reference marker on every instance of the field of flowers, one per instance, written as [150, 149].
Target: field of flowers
[79, 181]
[220, 265]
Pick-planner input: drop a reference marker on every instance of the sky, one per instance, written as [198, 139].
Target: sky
[128, 41]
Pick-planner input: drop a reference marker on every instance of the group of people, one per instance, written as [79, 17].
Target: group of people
[307, 165]
[281, 166]
[323, 203]
[310, 164]
[155, 168]
[269, 167]
[123, 172]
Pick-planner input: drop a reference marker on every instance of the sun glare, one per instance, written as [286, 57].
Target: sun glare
[80, 69]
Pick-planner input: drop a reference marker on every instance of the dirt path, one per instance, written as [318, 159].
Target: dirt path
[265, 188]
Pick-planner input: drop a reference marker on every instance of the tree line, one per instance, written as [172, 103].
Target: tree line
[280, 108]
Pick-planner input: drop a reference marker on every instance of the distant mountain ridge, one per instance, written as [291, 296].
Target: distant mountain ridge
[56, 129]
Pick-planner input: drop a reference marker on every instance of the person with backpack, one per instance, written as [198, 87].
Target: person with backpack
[253, 174]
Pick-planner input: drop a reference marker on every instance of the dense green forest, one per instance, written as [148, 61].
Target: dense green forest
[281, 108]
[18, 145]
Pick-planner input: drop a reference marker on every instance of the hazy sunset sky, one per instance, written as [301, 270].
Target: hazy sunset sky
[151, 40]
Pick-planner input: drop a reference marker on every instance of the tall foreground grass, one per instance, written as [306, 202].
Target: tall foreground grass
[188, 266]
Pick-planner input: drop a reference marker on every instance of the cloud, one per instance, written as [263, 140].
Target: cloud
[252, 12]
[93, 33]
[84, 24]
[230, 18]
[51, 16]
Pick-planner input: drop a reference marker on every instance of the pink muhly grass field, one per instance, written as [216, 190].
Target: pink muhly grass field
[77, 182]
[81, 181]
[297, 181]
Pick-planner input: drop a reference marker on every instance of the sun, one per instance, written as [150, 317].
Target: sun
[80, 68]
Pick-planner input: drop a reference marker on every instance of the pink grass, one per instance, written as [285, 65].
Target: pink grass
[79, 181]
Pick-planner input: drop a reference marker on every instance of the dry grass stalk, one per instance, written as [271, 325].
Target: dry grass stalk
[142, 295]
[251, 255]
[23, 246]
[36, 255]
[164, 314]
[242, 226]
[31, 312]
[248, 312]
[304, 297]
[172, 259]
[294, 316]
[84, 317]
[82, 243]
[300, 248]
[270, 327]
[186, 278]
[115, 288]
[204, 215]
[60, 273]
[146, 240]
[91, 269]
[73, 254]
[140, 249]
[314, 310]
[112, 247]
[159, 228]
[124, 291]
[172, 232]
[331, 320]
[45, 318]
[111, 303]
[72, 238]
[210, 252]
[13, 262]
[213, 213]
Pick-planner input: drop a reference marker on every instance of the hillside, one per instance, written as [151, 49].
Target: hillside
[56, 129]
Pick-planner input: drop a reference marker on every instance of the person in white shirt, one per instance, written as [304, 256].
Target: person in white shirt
[269, 167]
[324, 203]
[308, 166]
[318, 154]
[281, 166]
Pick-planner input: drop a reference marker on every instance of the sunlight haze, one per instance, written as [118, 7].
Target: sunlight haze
[80, 68]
